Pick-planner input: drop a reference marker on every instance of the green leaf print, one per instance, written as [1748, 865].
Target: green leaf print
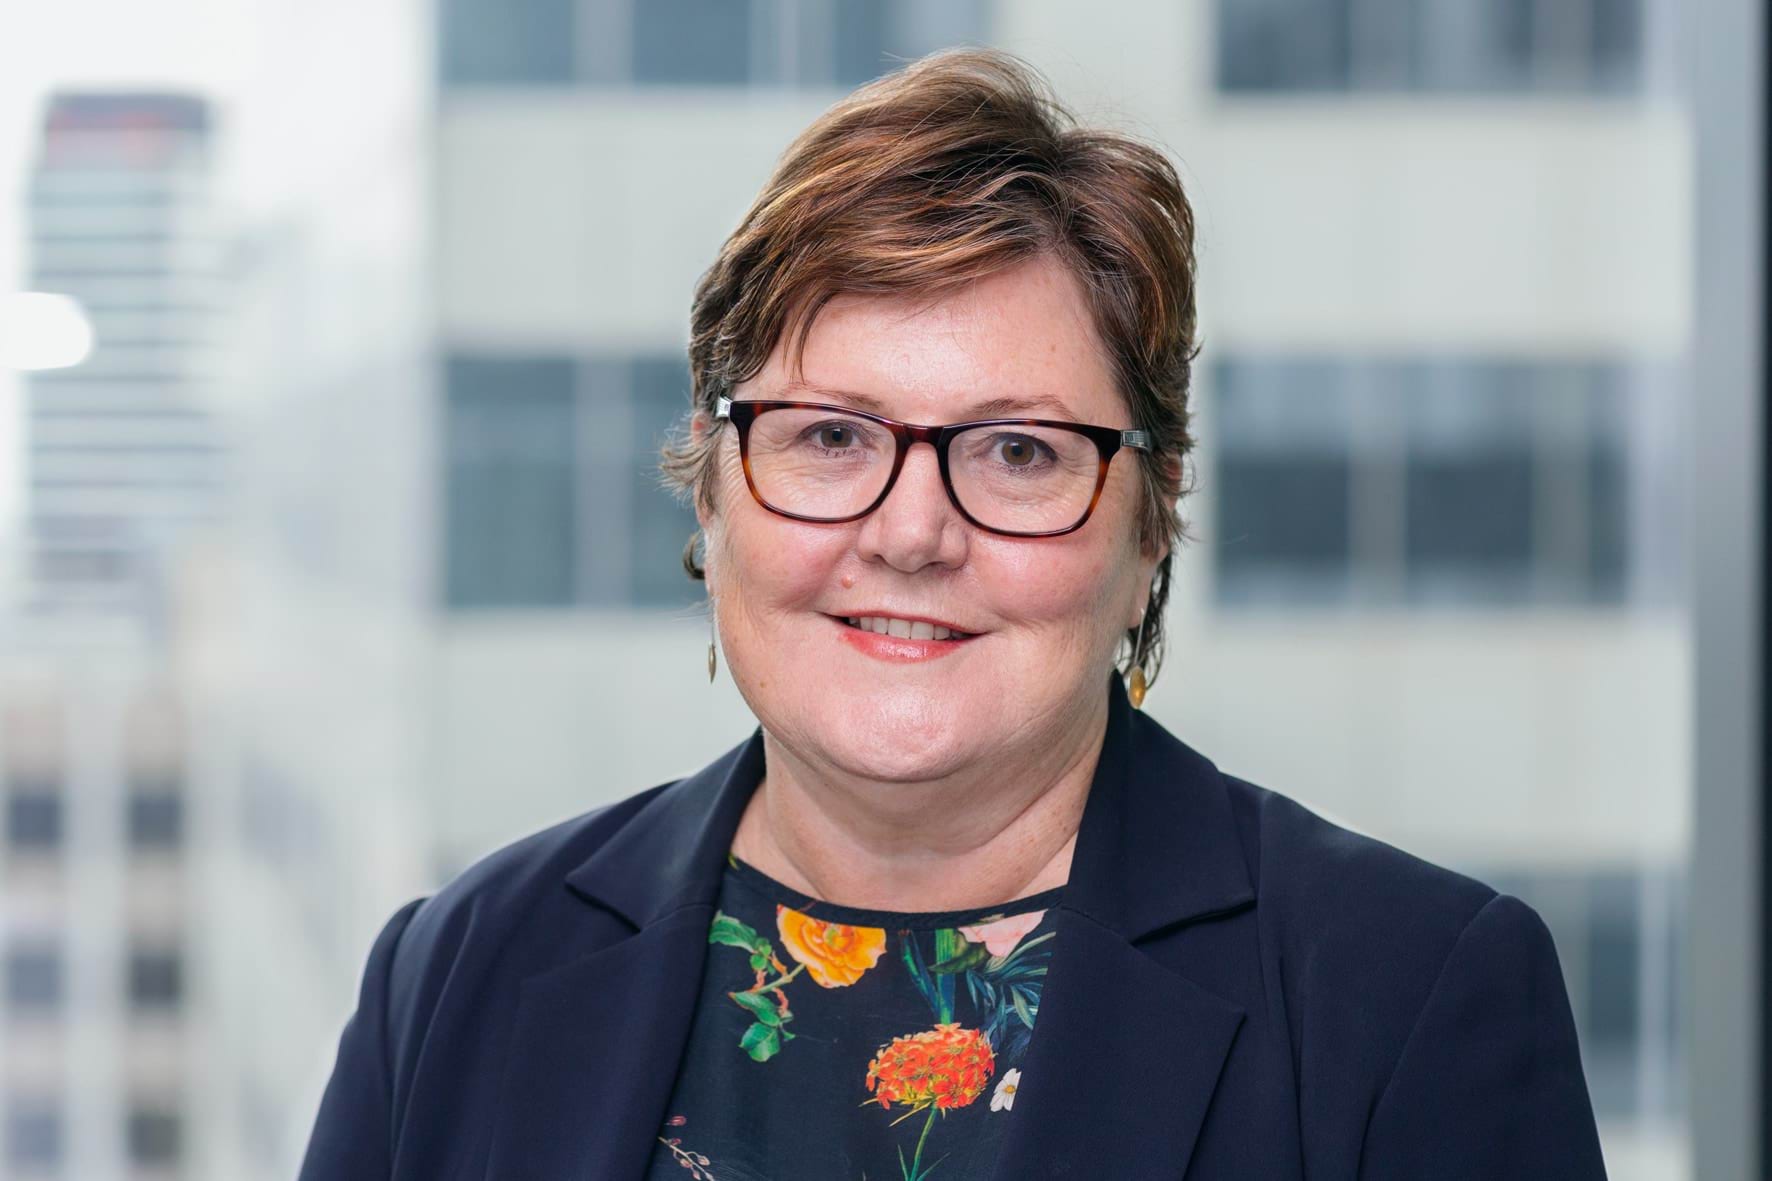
[761, 1006]
[971, 956]
[761, 1041]
[765, 1000]
[730, 931]
[1021, 1007]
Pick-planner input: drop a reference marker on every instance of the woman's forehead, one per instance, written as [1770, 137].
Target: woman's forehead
[1019, 343]
[957, 404]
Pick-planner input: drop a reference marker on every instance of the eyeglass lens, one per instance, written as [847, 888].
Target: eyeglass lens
[1017, 478]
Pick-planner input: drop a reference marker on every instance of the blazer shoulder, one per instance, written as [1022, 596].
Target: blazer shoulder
[1362, 932]
[505, 907]
[514, 873]
[1320, 876]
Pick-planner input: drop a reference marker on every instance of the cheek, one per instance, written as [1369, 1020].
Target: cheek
[766, 561]
[1084, 582]
[1073, 587]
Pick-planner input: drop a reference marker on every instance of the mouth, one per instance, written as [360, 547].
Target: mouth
[904, 627]
[900, 639]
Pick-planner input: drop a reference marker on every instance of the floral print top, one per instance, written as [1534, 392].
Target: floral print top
[834, 1043]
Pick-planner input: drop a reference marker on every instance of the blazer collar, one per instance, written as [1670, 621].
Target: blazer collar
[1157, 844]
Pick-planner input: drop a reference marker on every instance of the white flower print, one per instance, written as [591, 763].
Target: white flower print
[1003, 1098]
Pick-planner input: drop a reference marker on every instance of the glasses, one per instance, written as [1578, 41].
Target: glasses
[1020, 477]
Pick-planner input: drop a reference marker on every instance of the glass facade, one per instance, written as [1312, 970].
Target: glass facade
[511, 509]
[155, 1136]
[551, 483]
[483, 42]
[1431, 46]
[35, 1138]
[719, 43]
[34, 976]
[156, 978]
[34, 820]
[156, 817]
[1439, 480]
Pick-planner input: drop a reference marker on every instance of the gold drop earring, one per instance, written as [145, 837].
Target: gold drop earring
[1135, 690]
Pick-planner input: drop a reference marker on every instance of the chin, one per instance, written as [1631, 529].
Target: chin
[893, 737]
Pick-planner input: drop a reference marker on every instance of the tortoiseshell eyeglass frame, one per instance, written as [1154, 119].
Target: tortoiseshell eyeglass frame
[1108, 441]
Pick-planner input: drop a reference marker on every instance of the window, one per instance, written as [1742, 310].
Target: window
[155, 1135]
[1469, 479]
[501, 41]
[874, 36]
[692, 42]
[1284, 482]
[1446, 46]
[34, 976]
[510, 512]
[156, 978]
[1415, 481]
[34, 815]
[156, 814]
[813, 43]
[552, 488]
[33, 1133]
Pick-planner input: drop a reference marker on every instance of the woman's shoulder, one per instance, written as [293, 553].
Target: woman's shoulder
[1305, 859]
[514, 872]
[1340, 902]
[511, 905]
[1420, 1004]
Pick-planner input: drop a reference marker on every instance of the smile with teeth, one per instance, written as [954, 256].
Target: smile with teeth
[905, 629]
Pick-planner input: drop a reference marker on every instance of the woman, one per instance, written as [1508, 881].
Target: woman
[956, 907]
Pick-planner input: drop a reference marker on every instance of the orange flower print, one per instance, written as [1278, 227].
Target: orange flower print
[835, 954]
[945, 1067]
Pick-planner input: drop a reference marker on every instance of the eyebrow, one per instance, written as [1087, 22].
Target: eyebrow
[998, 407]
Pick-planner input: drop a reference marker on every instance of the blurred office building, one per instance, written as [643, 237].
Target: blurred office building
[125, 449]
[124, 483]
[1439, 587]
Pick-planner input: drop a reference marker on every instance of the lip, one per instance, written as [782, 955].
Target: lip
[878, 613]
[895, 648]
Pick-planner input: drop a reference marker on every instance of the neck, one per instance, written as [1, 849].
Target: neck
[979, 837]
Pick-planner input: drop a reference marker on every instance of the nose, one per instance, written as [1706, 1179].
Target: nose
[916, 525]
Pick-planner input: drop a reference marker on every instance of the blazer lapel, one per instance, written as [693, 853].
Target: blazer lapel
[595, 1054]
[597, 1041]
[1127, 1051]
[1125, 1057]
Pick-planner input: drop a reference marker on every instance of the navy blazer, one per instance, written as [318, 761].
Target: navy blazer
[1240, 990]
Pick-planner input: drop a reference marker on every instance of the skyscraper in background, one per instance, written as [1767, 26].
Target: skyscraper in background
[125, 482]
[124, 451]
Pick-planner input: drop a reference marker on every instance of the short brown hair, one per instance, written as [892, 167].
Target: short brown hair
[958, 166]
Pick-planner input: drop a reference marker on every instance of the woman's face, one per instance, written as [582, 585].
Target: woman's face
[1044, 615]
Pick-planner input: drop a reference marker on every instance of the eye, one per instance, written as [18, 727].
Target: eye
[835, 435]
[1017, 450]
